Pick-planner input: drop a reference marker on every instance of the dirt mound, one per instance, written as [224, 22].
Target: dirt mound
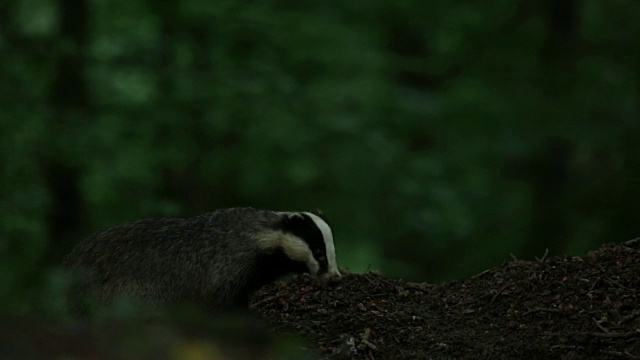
[556, 308]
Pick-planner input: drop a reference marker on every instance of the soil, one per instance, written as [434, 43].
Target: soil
[585, 307]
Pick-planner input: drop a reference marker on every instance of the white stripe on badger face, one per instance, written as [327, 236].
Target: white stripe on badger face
[298, 250]
[327, 234]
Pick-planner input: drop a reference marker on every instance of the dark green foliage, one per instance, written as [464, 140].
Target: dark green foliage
[437, 136]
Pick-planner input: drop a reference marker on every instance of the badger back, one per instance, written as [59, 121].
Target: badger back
[209, 259]
[216, 260]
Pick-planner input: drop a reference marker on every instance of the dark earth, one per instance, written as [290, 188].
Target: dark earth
[585, 307]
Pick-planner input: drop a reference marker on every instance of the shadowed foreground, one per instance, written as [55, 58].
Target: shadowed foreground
[557, 308]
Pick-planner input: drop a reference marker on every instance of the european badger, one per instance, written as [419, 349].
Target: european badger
[216, 260]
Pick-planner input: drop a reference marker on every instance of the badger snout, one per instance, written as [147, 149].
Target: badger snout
[330, 278]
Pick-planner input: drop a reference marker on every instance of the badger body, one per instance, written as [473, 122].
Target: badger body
[216, 260]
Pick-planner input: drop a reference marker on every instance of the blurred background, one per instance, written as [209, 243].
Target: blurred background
[439, 137]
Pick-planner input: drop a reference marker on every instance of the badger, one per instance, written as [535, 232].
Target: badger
[216, 260]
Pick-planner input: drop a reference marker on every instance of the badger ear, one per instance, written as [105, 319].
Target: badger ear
[320, 214]
[291, 221]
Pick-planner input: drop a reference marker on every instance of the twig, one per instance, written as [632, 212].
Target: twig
[265, 300]
[602, 328]
[502, 289]
[463, 302]
[369, 345]
[370, 281]
[513, 257]
[621, 354]
[541, 260]
[382, 279]
[480, 274]
[365, 339]
[629, 317]
[417, 286]
[633, 243]
[609, 335]
[536, 309]
[610, 281]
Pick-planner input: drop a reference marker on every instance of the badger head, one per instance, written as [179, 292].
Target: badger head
[308, 239]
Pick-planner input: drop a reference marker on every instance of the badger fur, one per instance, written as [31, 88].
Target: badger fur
[216, 260]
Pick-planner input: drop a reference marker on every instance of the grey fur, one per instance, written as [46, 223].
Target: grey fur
[213, 260]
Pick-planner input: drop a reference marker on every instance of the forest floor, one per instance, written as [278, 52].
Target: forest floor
[585, 307]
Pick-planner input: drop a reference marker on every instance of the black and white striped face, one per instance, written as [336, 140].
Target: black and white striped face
[311, 243]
